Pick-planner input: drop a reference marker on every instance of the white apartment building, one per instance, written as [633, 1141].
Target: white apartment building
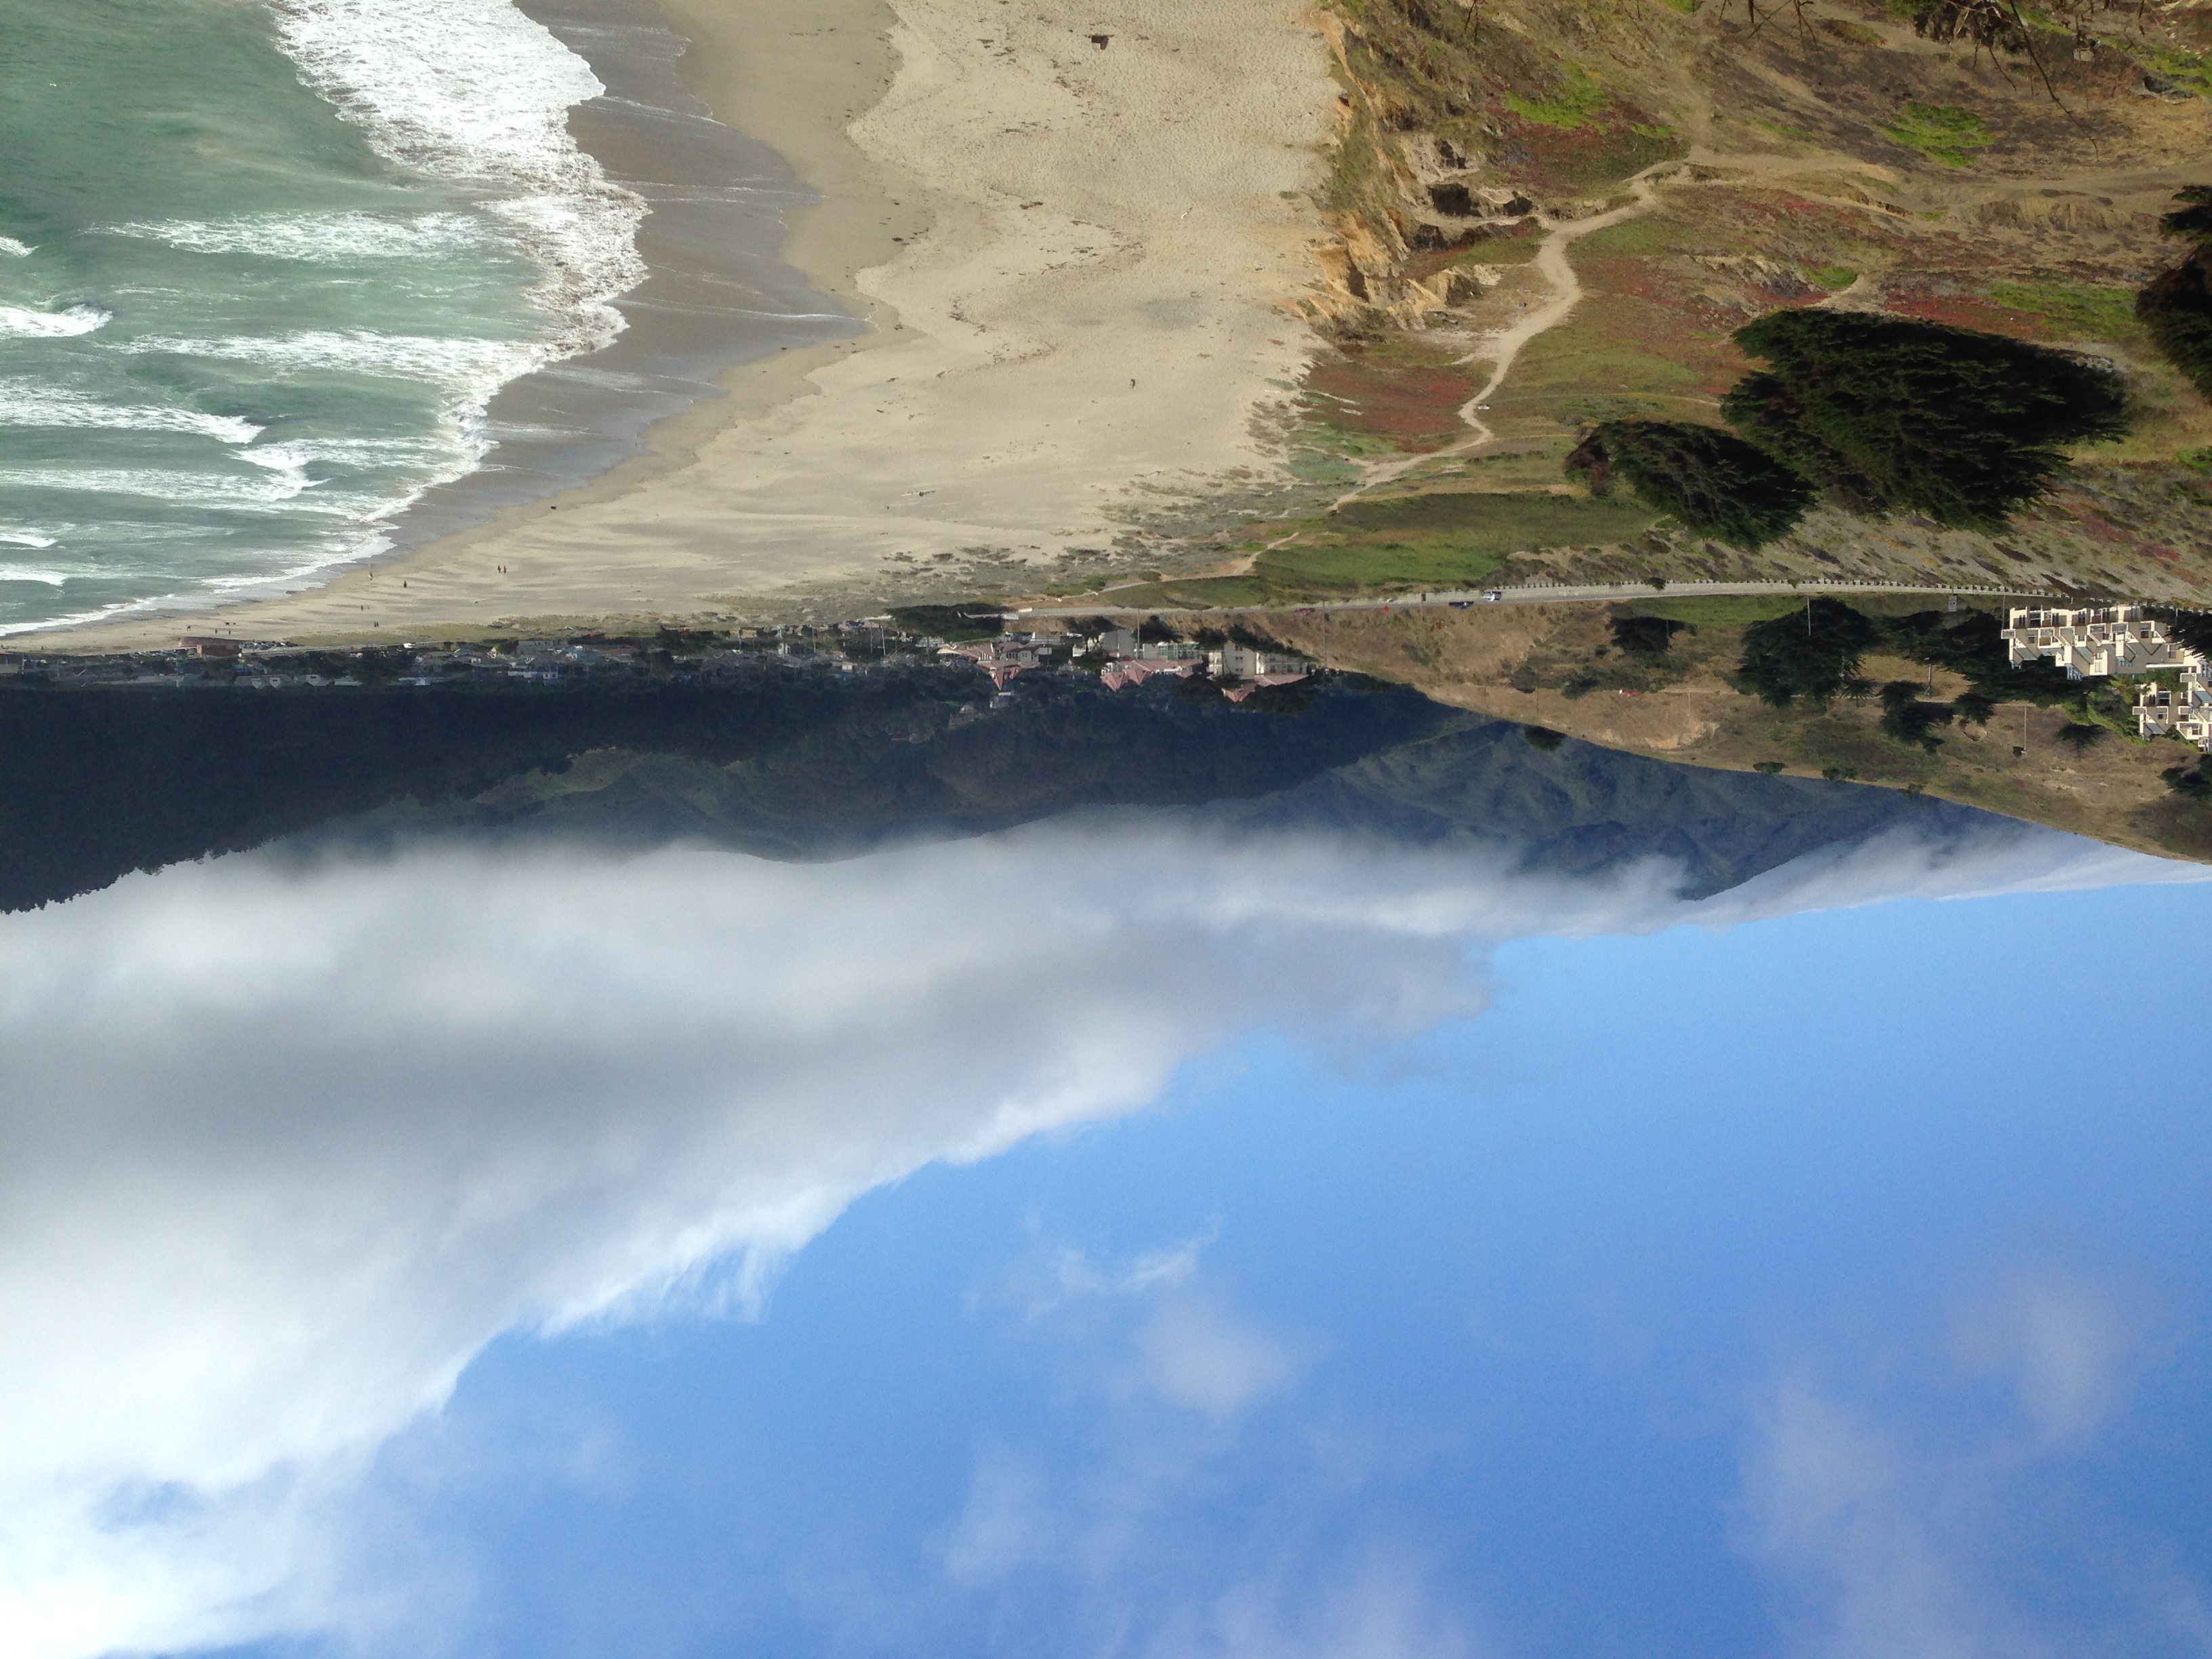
[2093, 641]
[2100, 639]
[2185, 713]
[1241, 662]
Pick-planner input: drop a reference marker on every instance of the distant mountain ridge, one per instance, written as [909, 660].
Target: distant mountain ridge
[827, 766]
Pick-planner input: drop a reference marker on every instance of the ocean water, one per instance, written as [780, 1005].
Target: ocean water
[278, 278]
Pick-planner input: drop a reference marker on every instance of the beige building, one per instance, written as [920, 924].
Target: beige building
[1236, 661]
[2186, 712]
[2094, 641]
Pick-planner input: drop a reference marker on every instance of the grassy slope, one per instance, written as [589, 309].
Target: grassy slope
[1805, 180]
[1521, 663]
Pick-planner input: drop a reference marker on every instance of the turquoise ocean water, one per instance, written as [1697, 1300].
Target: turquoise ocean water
[263, 267]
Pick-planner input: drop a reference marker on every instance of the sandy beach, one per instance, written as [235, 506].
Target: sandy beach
[1074, 243]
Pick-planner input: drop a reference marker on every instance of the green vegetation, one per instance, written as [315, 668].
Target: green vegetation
[1857, 34]
[2193, 783]
[1812, 654]
[2193, 220]
[2102, 313]
[1649, 637]
[953, 623]
[1941, 133]
[2177, 307]
[1576, 102]
[1714, 482]
[1448, 539]
[1886, 415]
[1722, 610]
[1909, 718]
[2190, 71]
[1543, 737]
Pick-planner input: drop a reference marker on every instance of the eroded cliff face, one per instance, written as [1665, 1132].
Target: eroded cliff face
[1612, 188]
[1468, 122]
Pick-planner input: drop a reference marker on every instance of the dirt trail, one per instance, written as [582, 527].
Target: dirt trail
[1502, 349]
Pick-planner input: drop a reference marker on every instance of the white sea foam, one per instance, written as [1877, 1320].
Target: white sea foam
[14, 249]
[318, 237]
[282, 490]
[26, 539]
[469, 370]
[52, 324]
[25, 403]
[473, 90]
[24, 573]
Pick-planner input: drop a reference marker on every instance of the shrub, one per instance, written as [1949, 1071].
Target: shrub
[1646, 636]
[2192, 781]
[1974, 708]
[1891, 415]
[2081, 739]
[2193, 222]
[1907, 719]
[2176, 311]
[1941, 133]
[1812, 654]
[1713, 481]
[1543, 737]
[952, 622]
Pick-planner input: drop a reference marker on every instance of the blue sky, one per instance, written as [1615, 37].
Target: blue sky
[1832, 1285]
[1105, 1238]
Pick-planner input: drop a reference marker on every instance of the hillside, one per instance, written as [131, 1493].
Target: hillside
[2050, 759]
[825, 767]
[1588, 198]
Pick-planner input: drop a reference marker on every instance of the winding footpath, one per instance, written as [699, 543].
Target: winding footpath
[1502, 349]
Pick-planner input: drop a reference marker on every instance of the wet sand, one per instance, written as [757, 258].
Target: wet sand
[1075, 266]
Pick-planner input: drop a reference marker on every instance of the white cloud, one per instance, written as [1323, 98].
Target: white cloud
[1377, 1607]
[1068, 1274]
[1008, 1521]
[1197, 1352]
[2067, 1347]
[283, 1145]
[1902, 1530]
[1829, 1506]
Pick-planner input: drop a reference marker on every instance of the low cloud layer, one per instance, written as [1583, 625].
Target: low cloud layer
[1898, 1514]
[283, 1144]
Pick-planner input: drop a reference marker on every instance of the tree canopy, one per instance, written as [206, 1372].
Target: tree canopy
[1812, 654]
[1713, 481]
[2177, 307]
[2193, 220]
[1891, 415]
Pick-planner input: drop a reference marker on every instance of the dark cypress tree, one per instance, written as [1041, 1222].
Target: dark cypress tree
[1760, 407]
[2177, 307]
[2192, 222]
[1898, 416]
[1713, 481]
[1812, 654]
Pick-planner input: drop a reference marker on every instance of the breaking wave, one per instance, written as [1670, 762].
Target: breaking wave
[317, 238]
[475, 92]
[52, 324]
[26, 403]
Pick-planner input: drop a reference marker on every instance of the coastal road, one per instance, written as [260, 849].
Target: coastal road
[1611, 593]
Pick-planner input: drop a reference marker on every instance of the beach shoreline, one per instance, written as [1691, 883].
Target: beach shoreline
[1075, 275]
